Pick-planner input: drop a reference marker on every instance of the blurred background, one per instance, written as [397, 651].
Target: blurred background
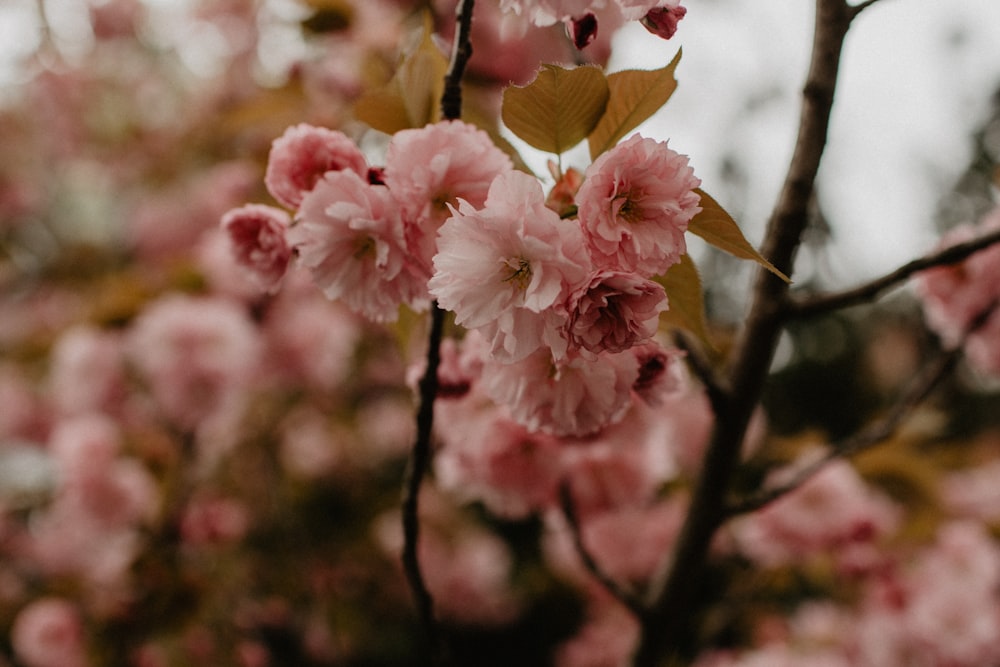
[237, 457]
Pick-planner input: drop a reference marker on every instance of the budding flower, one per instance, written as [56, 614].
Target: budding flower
[663, 20]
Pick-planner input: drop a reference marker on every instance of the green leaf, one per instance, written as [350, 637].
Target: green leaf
[635, 95]
[558, 109]
[687, 305]
[412, 97]
[719, 229]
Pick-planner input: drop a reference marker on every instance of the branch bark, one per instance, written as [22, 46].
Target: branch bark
[421, 453]
[807, 307]
[665, 623]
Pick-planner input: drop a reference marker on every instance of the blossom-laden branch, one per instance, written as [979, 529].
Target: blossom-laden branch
[933, 372]
[677, 588]
[807, 307]
[420, 455]
[621, 593]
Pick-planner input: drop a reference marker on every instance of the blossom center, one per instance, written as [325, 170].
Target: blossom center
[519, 272]
[365, 247]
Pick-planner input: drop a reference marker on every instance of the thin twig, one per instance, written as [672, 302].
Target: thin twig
[419, 461]
[420, 455]
[815, 305]
[451, 99]
[860, 7]
[919, 389]
[620, 592]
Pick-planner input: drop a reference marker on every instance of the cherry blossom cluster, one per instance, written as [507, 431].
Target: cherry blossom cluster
[564, 303]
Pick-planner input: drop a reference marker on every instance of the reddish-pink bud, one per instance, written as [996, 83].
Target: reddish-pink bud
[662, 21]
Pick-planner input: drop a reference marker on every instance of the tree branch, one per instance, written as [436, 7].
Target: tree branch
[814, 305]
[420, 454]
[919, 389]
[677, 588]
[617, 590]
[718, 393]
[860, 7]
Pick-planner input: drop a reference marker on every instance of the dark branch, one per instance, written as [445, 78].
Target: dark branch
[815, 305]
[663, 628]
[451, 99]
[920, 388]
[420, 458]
[420, 455]
[620, 592]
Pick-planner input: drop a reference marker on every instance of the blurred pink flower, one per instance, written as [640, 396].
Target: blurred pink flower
[350, 235]
[87, 371]
[635, 204]
[831, 511]
[573, 397]
[513, 472]
[195, 353]
[501, 269]
[547, 12]
[302, 155]
[214, 520]
[606, 639]
[256, 235]
[430, 168]
[614, 311]
[48, 632]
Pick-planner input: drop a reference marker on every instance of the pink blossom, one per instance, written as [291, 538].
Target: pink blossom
[256, 235]
[350, 235]
[547, 12]
[48, 632]
[430, 168]
[633, 10]
[302, 155]
[214, 520]
[503, 268]
[834, 509]
[624, 465]
[662, 20]
[195, 353]
[614, 311]
[635, 204]
[310, 340]
[87, 372]
[496, 461]
[573, 397]
[606, 639]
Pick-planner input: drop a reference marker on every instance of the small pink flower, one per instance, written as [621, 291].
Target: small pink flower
[573, 397]
[350, 235]
[662, 21]
[301, 156]
[502, 269]
[257, 237]
[430, 168]
[635, 204]
[49, 633]
[614, 311]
